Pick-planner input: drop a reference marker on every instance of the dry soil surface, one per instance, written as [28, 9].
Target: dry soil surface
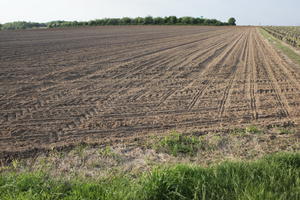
[63, 86]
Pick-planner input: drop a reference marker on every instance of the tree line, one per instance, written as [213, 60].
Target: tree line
[21, 25]
[149, 20]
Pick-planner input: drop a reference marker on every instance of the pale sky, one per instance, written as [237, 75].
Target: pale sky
[247, 12]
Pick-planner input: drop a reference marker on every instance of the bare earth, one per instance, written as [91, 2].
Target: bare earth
[64, 86]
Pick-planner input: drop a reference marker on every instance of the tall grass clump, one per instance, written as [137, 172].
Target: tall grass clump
[274, 177]
[180, 144]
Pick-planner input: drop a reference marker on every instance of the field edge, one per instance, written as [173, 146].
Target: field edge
[271, 177]
[285, 48]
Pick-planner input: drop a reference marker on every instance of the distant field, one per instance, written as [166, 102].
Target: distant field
[289, 34]
[98, 84]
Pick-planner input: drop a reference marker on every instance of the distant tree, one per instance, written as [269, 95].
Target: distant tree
[22, 25]
[171, 20]
[134, 21]
[231, 21]
[148, 20]
[207, 22]
[82, 24]
[199, 20]
[92, 23]
[193, 20]
[186, 20]
[139, 20]
[125, 21]
[113, 21]
[214, 22]
[158, 20]
[104, 21]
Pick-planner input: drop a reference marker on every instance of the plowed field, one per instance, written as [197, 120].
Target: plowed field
[63, 86]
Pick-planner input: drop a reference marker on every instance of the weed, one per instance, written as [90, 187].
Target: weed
[108, 152]
[177, 143]
[80, 149]
[253, 130]
[285, 131]
[238, 131]
[15, 164]
[95, 164]
[248, 130]
[55, 153]
[4, 168]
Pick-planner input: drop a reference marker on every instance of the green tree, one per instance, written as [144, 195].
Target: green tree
[112, 21]
[148, 20]
[158, 20]
[171, 20]
[186, 20]
[199, 21]
[125, 21]
[139, 20]
[91, 23]
[231, 21]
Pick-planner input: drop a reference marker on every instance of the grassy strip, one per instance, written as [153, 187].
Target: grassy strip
[283, 47]
[272, 177]
[178, 144]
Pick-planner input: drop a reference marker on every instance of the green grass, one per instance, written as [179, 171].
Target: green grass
[252, 129]
[274, 177]
[285, 131]
[178, 144]
[279, 44]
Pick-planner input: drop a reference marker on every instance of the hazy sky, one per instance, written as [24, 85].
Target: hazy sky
[247, 12]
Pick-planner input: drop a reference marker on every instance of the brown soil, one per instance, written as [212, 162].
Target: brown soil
[102, 84]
